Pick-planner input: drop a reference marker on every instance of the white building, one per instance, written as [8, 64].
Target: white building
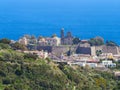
[83, 64]
[108, 63]
[58, 40]
[54, 41]
[93, 65]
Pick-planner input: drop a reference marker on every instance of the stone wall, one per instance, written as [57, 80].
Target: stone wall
[93, 51]
[45, 48]
[108, 49]
[58, 50]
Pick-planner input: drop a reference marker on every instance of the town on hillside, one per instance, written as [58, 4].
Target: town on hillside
[94, 52]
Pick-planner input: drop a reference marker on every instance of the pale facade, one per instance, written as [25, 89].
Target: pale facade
[108, 63]
[23, 41]
[55, 41]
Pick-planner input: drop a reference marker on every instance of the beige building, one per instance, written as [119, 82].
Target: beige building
[41, 54]
[54, 41]
[42, 42]
[58, 40]
[23, 41]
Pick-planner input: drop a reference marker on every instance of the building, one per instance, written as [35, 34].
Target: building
[54, 41]
[27, 40]
[23, 41]
[83, 64]
[58, 41]
[41, 54]
[117, 75]
[83, 50]
[108, 63]
[84, 45]
[108, 49]
[51, 41]
[66, 40]
[42, 41]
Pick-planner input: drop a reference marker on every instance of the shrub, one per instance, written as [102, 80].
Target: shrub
[31, 56]
[18, 72]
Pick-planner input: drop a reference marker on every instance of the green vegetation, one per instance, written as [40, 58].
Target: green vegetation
[5, 41]
[30, 56]
[111, 43]
[19, 71]
[54, 35]
[98, 52]
[4, 46]
[18, 46]
[76, 41]
[97, 41]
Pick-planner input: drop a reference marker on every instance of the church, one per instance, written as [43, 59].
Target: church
[66, 40]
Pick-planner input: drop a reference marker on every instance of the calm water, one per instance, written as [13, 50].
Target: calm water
[84, 18]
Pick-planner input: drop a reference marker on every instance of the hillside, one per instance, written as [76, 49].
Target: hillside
[20, 72]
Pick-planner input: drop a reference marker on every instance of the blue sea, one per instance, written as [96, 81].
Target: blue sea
[84, 18]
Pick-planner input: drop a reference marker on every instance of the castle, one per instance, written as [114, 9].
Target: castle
[66, 40]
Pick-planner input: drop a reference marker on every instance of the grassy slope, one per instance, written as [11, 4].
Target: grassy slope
[17, 73]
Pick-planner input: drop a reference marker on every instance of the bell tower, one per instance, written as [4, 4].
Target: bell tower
[62, 36]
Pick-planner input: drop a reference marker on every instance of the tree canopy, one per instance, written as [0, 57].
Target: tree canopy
[76, 40]
[111, 43]
[5, 41]
[18, 46]
[97, 41]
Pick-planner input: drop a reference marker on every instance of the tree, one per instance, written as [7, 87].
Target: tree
[76, 41]
[111, 43]
[97, 41]
[4, 46]
[5, 41]
[11, 56]
[18, 72]
[18, 46]
[31, 56]
[69, 53]
[98, 52]
[54, 35]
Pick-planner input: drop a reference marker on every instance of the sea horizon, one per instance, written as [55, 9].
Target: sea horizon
[48, 32]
